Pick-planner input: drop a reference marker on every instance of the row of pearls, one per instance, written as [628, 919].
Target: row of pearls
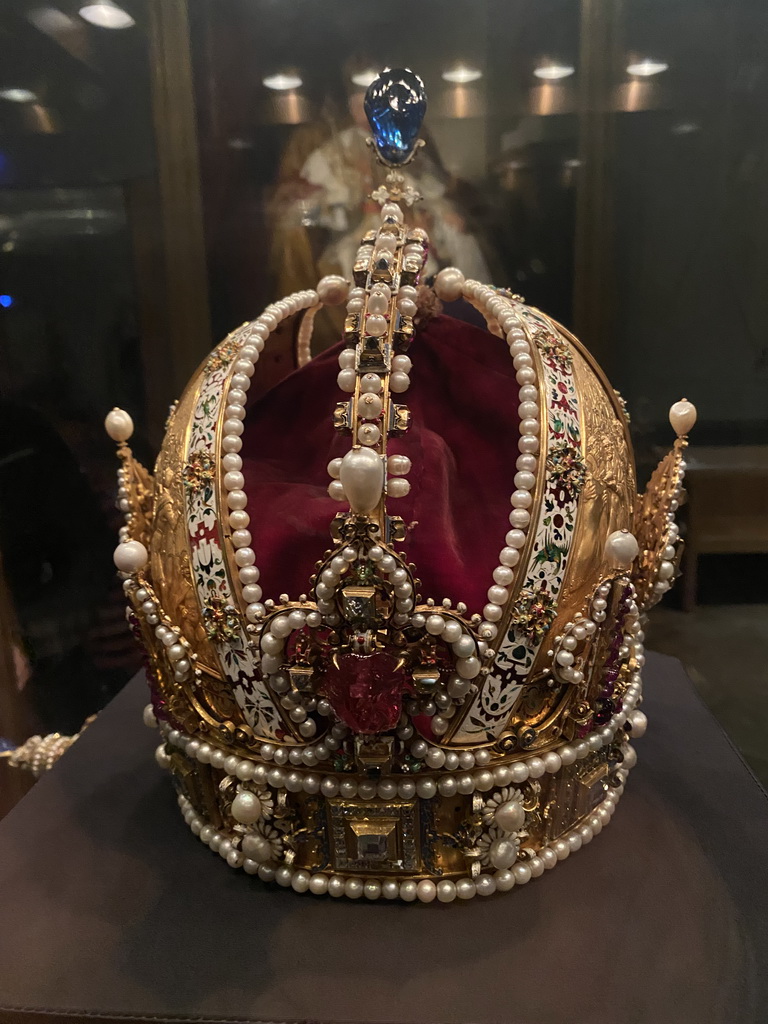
[175, 646]
[482, 780]
[254, 337]
[504, 321]
[376, 310]
[410, 890]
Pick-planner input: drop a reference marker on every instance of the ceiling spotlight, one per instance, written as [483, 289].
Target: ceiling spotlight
[646, 68]
[462, 74]
[553, 72]
[365, 78]
[17, 95]
[105, 14]
[282, 80]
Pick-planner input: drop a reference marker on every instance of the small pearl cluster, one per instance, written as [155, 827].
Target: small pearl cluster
[500, 313]
[233, 481]
[177, 650]
[575, 633]
[482, 780]
[442, 705]
[272, 643]
[328, 580]
[410, 890]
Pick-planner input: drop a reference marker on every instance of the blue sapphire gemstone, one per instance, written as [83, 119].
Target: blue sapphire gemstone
[395, 104]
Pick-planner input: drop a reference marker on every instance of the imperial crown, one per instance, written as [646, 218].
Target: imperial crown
[331, 721]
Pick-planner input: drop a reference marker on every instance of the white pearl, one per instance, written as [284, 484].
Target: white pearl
[346, 380]
[492, 612]
[426, 890]
[552, 762]
[505, 880]
[498, 594]
[370, 382]
[375, 325]
[452, 631]
[535, 767]
[347, 358]
[130, 556]
[509, 556]
[378, 303]
[369, 406]
[397, 487]
[362, 478]
[237, 499]
[318, 884]
[332, 290]
[503, 853]
[336, 490]
[399, 382]
[522, 873]
[621, 548]
[510, 816]
[118, 425]
[353, 888]
[503, 575]
[485, 885]
[465, 888]
[398, 465]
[448, 284]
[666, 570]
[682, 417]
[463, 648]
[246, 808]
[426, 788]
[638, 723]
[468, 668]
[406, 790]
[391, 212]
[519, 518]
[446, 891]
[334, 468]
[407, 307]
[435, 625]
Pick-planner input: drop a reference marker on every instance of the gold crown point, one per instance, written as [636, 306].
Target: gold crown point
[682, 416]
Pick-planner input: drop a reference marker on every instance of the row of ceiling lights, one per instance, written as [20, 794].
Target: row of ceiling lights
[102, 13]
[463, 74]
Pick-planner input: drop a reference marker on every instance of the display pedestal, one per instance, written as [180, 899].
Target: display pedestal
[111, 909]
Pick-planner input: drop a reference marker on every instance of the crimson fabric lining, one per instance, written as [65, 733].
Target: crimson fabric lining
[462, 444]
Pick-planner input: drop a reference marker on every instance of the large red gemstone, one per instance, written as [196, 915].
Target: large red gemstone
[365, 691]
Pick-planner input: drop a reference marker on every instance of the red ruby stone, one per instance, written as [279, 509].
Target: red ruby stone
[365, 691]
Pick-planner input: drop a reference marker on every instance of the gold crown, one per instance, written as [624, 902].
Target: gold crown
[362, 739]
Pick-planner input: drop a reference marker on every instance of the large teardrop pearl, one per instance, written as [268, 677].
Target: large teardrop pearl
[362, 477]
[682, 416]
[118, 425]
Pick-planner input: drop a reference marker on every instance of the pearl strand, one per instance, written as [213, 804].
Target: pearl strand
[253, 339]
[425, 787]
[409, 890]
[504, 321]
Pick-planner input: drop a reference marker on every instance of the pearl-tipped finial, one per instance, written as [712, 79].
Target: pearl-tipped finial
[621, 548]
[682, 416]
[119, 425]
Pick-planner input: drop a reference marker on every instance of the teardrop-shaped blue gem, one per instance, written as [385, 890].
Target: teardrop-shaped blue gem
[395, 104]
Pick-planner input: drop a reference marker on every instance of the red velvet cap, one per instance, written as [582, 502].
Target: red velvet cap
[462, 444]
